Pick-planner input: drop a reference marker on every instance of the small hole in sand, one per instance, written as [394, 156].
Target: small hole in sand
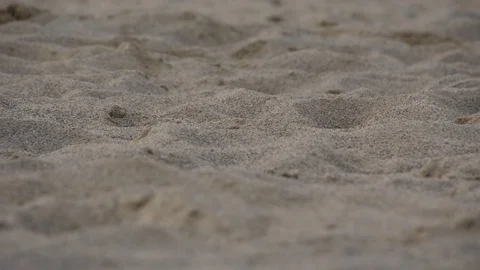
[466, 224]
[334, 91]
[275, 18]
[324, 23]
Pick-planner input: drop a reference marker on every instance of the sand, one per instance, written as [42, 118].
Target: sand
[214, 134]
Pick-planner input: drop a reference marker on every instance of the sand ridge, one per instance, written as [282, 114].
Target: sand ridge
[212, 134]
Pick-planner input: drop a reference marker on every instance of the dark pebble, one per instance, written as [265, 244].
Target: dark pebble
[117, 112]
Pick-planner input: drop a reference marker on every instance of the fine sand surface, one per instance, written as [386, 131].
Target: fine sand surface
[239, 134]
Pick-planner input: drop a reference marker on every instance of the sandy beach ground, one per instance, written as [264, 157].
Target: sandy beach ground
[239, 134]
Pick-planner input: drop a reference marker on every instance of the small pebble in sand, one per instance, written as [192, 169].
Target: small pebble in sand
[117, 112]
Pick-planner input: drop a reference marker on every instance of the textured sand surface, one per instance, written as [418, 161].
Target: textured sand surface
[213, 134]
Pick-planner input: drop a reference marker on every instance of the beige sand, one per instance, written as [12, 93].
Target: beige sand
[240, 134]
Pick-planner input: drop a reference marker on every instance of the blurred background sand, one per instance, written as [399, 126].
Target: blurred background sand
[246, 134]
